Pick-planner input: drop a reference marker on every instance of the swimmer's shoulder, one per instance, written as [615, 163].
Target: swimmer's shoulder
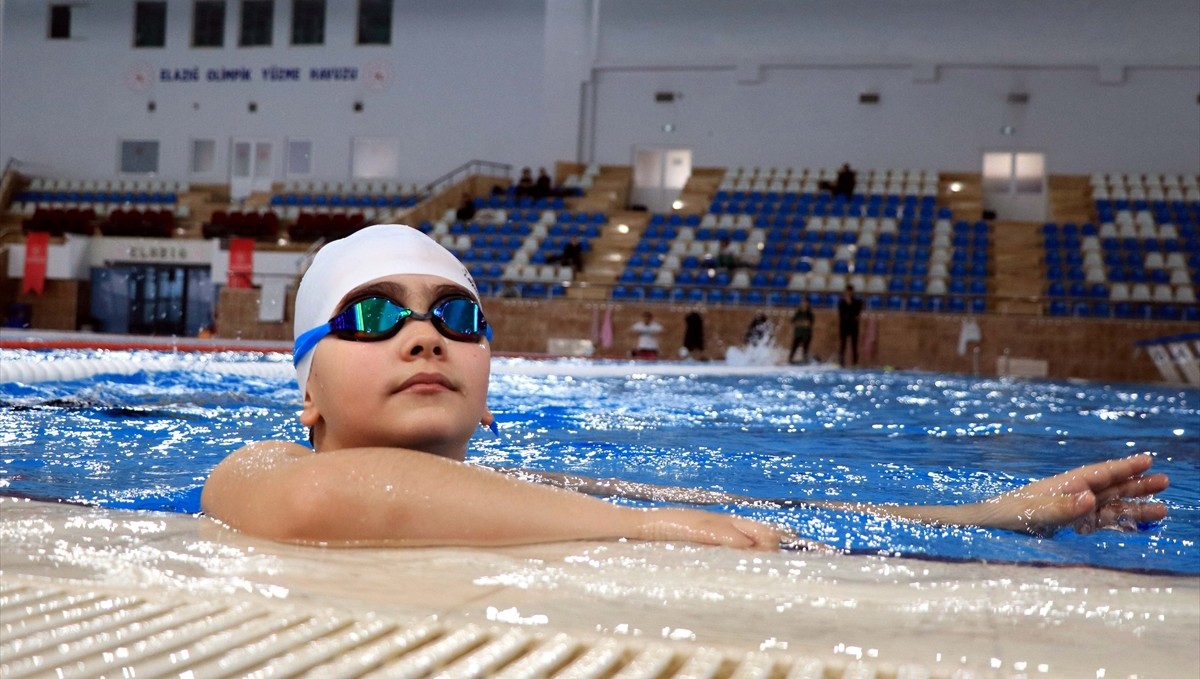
[245, 470]
[260, 456]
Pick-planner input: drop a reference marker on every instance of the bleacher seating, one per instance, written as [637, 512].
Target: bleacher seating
[512, 245]
[61, 221]
[897, 247]
[139, 223]
[355, 196]
[259, 225]
[1141, 261]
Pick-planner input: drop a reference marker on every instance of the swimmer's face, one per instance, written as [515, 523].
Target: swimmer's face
[417, 389]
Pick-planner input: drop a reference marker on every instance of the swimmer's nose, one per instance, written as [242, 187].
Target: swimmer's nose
[420, 338]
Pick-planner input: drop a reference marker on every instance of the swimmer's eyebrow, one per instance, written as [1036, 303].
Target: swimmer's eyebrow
[397, 293]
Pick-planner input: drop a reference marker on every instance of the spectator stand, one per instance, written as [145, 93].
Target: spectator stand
[892, 242]
[511, 245]
[1139, 260]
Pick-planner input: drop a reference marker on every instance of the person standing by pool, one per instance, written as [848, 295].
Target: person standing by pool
[647, 331]
[693, 336]
[392, 358]
[849, 309]
[802, 329]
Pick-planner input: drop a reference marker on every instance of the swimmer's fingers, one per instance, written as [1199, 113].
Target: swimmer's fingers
[763, 536]
[1103, 476]
[1137, 487]
[1122, 515]
[771, 537]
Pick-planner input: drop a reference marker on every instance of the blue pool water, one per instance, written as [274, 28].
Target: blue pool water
[147, 440]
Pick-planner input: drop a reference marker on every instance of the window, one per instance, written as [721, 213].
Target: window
[139, 157]
[257, 19]
[308, 22]
[150, 24]
[374, 22]
[60, 22]
[299, 158]
[204, 156]
[208, 23]
[375, 157]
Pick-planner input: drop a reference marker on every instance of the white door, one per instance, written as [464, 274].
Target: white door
[1014, 185]
[658, 176]
[250, 167]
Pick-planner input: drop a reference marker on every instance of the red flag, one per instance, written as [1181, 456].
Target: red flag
[241, 263]
[37, 248]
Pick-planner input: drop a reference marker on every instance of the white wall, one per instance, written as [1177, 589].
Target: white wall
[1113, 84]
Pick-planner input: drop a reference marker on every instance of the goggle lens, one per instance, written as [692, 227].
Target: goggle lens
[372, 319]
[378, 318]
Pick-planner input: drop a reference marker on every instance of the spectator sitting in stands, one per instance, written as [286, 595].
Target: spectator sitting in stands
[510, 289]
[726, 259]
[844, 184]
[543, 187]
[572, 254]
[465, 211]
[525, 184]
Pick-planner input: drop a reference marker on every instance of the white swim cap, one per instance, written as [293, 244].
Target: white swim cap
[364, 256]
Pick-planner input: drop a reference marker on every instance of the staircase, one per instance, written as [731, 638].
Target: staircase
[1070, 198]
[609, 253]
[1018, 277]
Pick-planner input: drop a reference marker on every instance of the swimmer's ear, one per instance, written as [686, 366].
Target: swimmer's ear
[489, 421]
[310, 415]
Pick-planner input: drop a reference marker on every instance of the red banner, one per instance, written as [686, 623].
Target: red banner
[37, 250]
[241, 263]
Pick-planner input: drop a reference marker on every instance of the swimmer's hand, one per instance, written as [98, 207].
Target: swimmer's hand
[1104, 495]
[710, 528]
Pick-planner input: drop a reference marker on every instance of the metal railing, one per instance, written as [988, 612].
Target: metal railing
[467, 169]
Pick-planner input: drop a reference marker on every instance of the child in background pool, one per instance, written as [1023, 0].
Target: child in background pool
[393, 359]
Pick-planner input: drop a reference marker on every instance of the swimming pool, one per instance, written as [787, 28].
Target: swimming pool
[147, 440]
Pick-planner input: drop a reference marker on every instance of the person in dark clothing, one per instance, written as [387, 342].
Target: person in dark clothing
[524, 187]
[572, 254]
[844, 184]
[466, 210]
[542, 187]
[759, 330]
[846, 180]
[725, 257]
[693, 335]
[802, 329]
[849, 309]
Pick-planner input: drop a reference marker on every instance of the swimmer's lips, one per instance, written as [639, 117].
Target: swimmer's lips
[426, 383]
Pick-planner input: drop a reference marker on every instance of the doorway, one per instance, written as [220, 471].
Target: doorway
[251, 167]
[1014, 185]
[152, 299]
[659, 174]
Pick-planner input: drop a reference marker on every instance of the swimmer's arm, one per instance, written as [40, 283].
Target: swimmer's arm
[1102, 495]
[379, 496]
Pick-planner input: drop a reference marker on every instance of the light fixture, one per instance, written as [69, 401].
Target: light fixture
[622, 228]
[678, 205]
[955, 187]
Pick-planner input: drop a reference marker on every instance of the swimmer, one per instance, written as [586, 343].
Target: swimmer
[392, 356]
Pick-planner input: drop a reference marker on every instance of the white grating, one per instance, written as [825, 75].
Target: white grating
[58, 630]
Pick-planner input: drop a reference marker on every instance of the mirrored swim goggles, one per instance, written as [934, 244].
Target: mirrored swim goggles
[373, 319]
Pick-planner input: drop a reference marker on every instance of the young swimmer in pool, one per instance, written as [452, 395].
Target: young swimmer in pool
[393, 359]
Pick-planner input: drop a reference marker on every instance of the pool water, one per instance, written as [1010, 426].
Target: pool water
[147, 441]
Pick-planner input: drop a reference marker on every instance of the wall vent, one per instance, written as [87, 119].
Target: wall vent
[868, 98]
[664, 97]
[1018, 97]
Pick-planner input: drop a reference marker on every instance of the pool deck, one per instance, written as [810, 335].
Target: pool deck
[631, 605]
